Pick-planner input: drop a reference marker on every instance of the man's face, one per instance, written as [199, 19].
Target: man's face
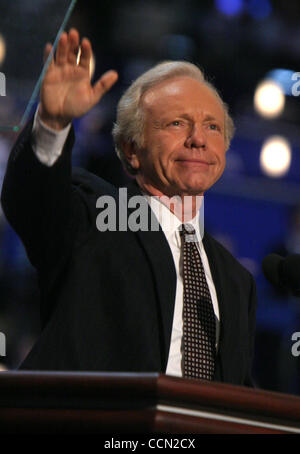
[184, 146]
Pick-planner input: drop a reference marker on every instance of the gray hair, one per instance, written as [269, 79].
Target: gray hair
[129, 126]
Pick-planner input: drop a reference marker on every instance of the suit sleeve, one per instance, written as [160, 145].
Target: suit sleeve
[37, 201]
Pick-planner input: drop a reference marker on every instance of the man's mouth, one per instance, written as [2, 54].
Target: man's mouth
[194, 162]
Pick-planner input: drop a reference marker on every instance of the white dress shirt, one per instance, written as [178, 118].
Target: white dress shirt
[48, 145]
[170, 226]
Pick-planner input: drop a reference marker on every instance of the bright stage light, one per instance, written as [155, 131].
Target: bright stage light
[275, 156]
[269, 99]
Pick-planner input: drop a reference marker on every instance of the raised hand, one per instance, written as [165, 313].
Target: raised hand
[66, 90]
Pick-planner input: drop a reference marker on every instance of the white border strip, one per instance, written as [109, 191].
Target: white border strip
[216, 416]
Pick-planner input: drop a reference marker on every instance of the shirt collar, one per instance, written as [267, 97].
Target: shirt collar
[168, 221]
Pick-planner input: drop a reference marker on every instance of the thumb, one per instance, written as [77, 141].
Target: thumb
[104, 84]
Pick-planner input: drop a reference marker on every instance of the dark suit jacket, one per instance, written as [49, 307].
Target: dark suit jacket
[107, 298]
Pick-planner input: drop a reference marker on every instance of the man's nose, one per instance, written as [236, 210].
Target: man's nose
[196, 137]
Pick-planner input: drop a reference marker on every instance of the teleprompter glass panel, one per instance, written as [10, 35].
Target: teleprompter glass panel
[25, 27]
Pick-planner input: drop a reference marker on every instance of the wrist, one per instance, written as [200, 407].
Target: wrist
[55, 123]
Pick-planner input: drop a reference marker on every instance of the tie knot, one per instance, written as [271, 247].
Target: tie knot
[187, 233]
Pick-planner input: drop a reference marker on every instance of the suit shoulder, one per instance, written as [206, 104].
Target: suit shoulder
[91, 184]
[221, 254]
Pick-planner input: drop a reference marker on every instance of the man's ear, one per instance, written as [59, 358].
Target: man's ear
[130, 153]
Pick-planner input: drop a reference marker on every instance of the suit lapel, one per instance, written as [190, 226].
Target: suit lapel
[161, 261]
[227, 307]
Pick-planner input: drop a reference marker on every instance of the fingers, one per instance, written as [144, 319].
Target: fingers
[62, 49]
[47, 51]
[73, 46]
[104, 84]
[68, 48]
[67, 53]
[86, 54]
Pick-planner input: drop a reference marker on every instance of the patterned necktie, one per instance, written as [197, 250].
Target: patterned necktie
[199, 324]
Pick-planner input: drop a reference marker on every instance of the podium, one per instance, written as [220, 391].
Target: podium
[77, 402]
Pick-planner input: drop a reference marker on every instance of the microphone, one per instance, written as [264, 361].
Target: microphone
[283, 273]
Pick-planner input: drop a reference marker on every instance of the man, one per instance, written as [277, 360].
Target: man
[124, 300]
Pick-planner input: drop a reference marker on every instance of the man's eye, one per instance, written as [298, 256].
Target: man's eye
[214, 127]
[175, 123]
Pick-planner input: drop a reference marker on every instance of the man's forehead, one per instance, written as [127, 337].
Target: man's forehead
[169, 87]
[181, 92]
